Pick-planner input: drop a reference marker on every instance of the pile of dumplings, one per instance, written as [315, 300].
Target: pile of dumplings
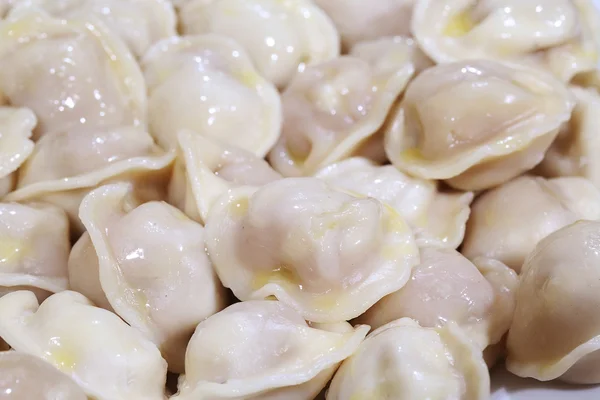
[297, 199]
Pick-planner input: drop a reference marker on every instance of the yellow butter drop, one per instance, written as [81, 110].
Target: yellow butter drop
[412, 155]
[282, 276]
[61, 356]
[11, 251]
[248, 78]
[459, 25]
[239, 208]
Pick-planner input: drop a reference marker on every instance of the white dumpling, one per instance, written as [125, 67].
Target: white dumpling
[65, 166]
[476, 124]
[206, 168]
[106, 357]
[359, 20]
[445, 287]
[331, 109]
[34, 248]
[507, 222]
[16, 127]
[74, 75]
[208, 84]
[25, 377]
[403, 361]
[150, 265]
[264, 350]
[574, 151]
[281, 37]
[556, 327]
[326, 253]
[139, 23]
[560, 35]
[437, 218]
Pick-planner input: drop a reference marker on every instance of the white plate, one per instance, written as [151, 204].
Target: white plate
[506, 386]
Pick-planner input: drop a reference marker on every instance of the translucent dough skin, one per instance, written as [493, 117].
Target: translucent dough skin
[264, 350]
[25, 377]
[556, 328]
[496, 229]
[403, 361]
[281, 37]
[476, 124]
[561, 36]
[327, 254]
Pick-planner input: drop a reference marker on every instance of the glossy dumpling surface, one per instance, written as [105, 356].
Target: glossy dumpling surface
[16, 127]
[264, 350]
[281, 37]
[437, 218]
[404, 361]
[555, 331]
[444, 287]
[208, 84]
[476, 123]
[26, 377]
[357, 20]
[140, 23]
[34, 248]
[106, 357]
[496, 227]
[73, 74]
[326, 253]
[333, 108]
[151, 265]
[559, 35]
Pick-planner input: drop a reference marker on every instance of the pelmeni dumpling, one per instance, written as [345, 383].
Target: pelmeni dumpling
[574, 151]
[106, 357]
[476, 124]
[264, 350]
[326, 253]
[16, 127]
[281, 37]
[556, 327]
[25, 377]
[73, 74]
[150, 264]
[206, 168]
[507, 222]
[333, 108]
[437, 218]
[65, 166]
[403, 361]
[445, 287]
[560, 35]
[358, 20]
[208, 84]
[140, 23]
[34, 248]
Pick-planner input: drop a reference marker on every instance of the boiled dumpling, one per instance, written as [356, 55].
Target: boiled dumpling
[574, 151]
[403, 361]
[25, 377]
[67, 165]
[556, 327]
[16, 126]
[206, 168]
[74, 75]
[326, 253]
[331, 109]
[476, 124]
[264, 350]
[281, 37]
[106, 357]
[208, 84]
[507, 222]
[34, 248]
[560, 35]
[149, 264]
[437, 218]
[140, 23]
[358, 20]
[445, 287]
